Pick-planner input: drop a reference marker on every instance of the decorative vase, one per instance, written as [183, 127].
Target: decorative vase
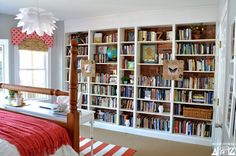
[161, 109]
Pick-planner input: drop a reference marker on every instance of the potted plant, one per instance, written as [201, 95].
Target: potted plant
[125, 79]
[11, 94]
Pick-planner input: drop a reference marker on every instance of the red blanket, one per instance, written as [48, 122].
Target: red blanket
[32, 136]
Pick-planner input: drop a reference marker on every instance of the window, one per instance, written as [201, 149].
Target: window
[33, 70]
[1, 63]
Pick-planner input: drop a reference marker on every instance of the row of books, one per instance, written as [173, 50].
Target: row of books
[105, 116]
[82, 88]
[104, 78]
[154, 36]
[127, 91]
[192, 96]
[126, 120]
[105, 38]
[156, 81]
[104, 90]
[127, 104]
[184, 34]
[104, 102]
[197, 128]
[127, 49]
[178, 109]
[196, 83]
[100, 58]
[201, 64]
[148, 106]
[82, 38]
[85, 99]
[83, 50]
[154, 94]
[152, 122]
[196, 48]
[81, 78]
[160, 57]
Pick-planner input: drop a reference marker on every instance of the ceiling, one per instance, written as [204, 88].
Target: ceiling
[76, 9]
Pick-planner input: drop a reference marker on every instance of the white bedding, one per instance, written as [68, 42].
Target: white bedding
[7, 149]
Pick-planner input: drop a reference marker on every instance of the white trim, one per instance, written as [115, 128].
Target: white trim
[6, 63]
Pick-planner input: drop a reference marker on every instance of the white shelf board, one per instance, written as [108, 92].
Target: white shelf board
[103, 107]
[194, 89]
[128, 98]
[126, 110]
[153, 42]
[206, 72]
[108, 43]
[183, 117]
[108, 84]
[108, 63]
[85, 44]
[195, 55]
[158, 87]
[149, 64]
[99, 95]
[191, 103]
[197, 40]
[127, 69]
[163, 101]
[127, 85]
[154, 113]
[127, 42]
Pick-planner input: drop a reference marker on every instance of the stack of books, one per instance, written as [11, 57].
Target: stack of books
[127, 91]
[106, 116]
[127, 49]
[147, 36]
[83, 50]
[154, 94]
[201, 64]
[185, 34]
[104, 90]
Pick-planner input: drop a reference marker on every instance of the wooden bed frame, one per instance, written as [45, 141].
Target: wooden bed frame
[73, 123]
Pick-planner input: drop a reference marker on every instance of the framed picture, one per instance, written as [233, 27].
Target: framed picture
[173, 70]
[88, 68]
[230, 107]
[149, 53]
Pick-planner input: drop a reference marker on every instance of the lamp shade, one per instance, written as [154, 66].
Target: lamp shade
[36, 19]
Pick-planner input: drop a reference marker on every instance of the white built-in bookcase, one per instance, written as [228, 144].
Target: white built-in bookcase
[170, 134]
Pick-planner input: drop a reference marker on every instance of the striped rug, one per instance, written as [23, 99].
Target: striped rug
[103, 149]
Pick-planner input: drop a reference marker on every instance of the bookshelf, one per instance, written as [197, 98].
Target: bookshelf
[128, 88]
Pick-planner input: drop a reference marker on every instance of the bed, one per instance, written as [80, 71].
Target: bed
[24, 135]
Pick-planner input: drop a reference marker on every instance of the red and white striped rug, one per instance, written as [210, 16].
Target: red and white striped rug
[103, 149]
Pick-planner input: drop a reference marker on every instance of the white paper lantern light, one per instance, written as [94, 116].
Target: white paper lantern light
[36, 20]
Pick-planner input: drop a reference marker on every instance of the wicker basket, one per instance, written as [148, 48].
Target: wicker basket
[202, 113]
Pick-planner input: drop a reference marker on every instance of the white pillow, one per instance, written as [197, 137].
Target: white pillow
[64, 102]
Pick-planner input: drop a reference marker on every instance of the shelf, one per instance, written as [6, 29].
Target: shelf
[154, 113]
[149, 64]
[127, 85]
[191, 103]
[204, 72]
[195, 55]
[108, 63]
[140, 86]
[110, 96]
[127, 42]
[126, 110]
[108, 84]
[123, 55]
[195, 89]
[82, 56]
[78, 82]
[192, 118]
[163, 101]
[110, 43]
[127, 69]
[197, 40]
[85, 44]
[129, 98]
[153, 42]
[94, 106]
[84, 105]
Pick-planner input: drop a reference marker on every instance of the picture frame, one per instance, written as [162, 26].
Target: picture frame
[88, 68]
[173, 70]
[149, 53]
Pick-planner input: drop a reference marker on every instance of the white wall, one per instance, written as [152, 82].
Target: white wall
[143, 18]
